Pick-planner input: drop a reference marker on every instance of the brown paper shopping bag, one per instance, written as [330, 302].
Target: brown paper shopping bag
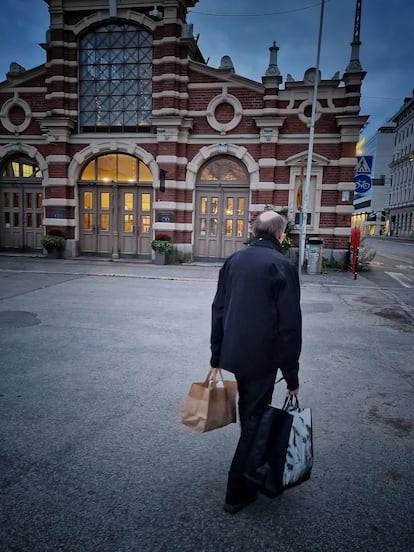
[210, 404]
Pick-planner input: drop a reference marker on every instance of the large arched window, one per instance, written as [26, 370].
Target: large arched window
[20, 167]
[116, 167]
[115, 75]
[224, 169]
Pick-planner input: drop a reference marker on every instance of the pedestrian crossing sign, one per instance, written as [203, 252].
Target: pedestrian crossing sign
[364, 164]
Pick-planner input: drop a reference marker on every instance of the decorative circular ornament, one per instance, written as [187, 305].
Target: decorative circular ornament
[224, 98]
[5, 115]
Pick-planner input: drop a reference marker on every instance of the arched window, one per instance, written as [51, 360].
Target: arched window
[115, 74]
[20, 167]
[224, 169]
[116, 167]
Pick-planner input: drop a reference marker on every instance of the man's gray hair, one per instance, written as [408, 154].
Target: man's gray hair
[269, 222]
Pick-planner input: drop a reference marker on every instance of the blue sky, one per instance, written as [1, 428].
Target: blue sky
[245, 29]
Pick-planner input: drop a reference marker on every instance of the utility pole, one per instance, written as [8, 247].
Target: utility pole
[305, 198]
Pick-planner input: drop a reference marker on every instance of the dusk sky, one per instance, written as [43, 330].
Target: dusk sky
[245, 29]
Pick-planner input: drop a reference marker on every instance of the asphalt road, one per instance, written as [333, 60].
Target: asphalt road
[96, 359]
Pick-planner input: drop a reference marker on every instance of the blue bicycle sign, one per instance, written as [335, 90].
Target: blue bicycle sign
[362, 183]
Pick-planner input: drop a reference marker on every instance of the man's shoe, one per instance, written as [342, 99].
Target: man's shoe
[233, 507]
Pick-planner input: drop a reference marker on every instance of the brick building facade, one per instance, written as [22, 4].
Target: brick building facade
[126, 132]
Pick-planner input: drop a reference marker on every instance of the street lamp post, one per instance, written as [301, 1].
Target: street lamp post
[305, 198]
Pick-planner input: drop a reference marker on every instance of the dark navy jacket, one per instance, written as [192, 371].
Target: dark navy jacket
[256, 315]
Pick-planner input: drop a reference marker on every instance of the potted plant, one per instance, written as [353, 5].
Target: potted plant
[162, 248]
[54, 243]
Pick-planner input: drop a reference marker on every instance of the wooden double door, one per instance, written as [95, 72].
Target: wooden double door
[221, 226]
[115, 220]
[21, 216]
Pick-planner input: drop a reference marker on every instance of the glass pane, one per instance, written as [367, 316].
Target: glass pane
[87, 200]
[27, 170]
[229, 228]
[6, 199]
[7, 219]
[128, 202]
[29, 200]
[107, 168]
[203, 226]
[203, 205]
[128, 223]
[240, 205]
[16, 200]
[239, 228]
[224, 169]
[104, 200]
[145, 174]
[145, 224]
[16, 220]
[89, 171]
[229, 206]
[87, 221]
[104, 224]
[15, 168]
[38, 220]
[38, 201]
[214, 206]
[127, 168]
[145, 202]
[213, 227]
[29, 220]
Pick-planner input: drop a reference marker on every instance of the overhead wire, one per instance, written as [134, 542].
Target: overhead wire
[234, 14]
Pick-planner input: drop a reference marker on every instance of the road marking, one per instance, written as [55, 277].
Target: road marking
[404, 266]
[376, 263]
[400, 278]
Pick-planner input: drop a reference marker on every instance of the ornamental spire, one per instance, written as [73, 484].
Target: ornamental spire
[354, 65]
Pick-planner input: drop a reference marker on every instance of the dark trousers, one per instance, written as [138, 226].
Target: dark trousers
[254, 396]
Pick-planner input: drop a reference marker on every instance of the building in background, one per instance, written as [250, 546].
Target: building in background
[126, 132]
[401, 197]
[371, 207]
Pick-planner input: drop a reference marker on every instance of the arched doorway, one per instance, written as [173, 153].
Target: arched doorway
[115, 206]
[21, 211]
[222, 207]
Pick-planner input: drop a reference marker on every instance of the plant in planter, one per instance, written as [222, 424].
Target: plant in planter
[162, 247]
[54, 243]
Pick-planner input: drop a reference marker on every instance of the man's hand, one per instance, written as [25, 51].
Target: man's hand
[294, 392]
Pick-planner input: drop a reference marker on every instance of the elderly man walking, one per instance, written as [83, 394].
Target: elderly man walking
[256, 330]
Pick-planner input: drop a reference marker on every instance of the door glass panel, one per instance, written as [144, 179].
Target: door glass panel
[38, 220]
[203, 205]
[128, 202]
[146, 202]
[29, 200]
[104, 200]
[38, 201]
[87, 221]
[87, 200]
[16, 220]
[145, 224]
[229, 228]
[239, 228]
[229, 206]
[213, 227]
[7, 219]
[240, 205]
[15, 200]
[214, 206]
[29, 220]
[104, 225]
[6, 199]
[203, 226]
[128, 223]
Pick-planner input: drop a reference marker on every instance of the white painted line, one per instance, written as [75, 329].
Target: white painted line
[400, 278]
[404, 266]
